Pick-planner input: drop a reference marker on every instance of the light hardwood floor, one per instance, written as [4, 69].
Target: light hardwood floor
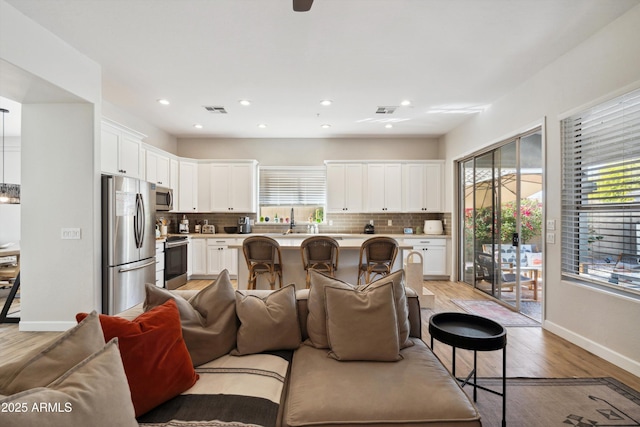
[531, 351]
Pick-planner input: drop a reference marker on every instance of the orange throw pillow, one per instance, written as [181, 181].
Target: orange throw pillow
[155, 357]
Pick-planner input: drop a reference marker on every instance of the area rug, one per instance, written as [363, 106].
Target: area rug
[494, 311]
[543, 402]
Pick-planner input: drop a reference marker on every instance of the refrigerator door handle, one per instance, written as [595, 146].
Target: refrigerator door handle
[138, 222]
[143, 219]
[124, 270]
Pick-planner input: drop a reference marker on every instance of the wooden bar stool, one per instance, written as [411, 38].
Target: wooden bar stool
[263, 256]
[319, 253]
[377, 256]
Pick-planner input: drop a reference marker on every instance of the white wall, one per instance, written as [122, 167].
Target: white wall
[10, 214]
[60, 92]
[605, 65]
[156, 137]
[308, 152]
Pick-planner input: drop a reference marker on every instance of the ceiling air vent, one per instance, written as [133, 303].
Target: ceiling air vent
[386, 110]
[215, 110]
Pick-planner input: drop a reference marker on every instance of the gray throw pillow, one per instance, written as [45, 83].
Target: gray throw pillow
[94, 392]
[41, 366]
[267, 324]
[402, 307]
[362, 325]
[208, 319]
[317, 318]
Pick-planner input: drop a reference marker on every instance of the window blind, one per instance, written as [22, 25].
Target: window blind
[601, 194]
[292, 186]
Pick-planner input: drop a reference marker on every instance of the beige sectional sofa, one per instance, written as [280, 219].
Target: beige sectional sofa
[309, 381]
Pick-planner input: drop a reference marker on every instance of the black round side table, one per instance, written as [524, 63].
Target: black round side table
[471, 332]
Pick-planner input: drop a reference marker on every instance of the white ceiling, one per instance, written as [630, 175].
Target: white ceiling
[442, 55]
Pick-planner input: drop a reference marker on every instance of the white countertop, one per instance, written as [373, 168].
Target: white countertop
[338, 236]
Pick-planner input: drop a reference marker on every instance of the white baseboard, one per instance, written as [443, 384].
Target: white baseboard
[46, 326]
[620, 360]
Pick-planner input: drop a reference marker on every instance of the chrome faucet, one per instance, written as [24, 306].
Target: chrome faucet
[291, 224]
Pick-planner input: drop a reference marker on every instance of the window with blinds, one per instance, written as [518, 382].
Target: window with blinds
[286, 186]
[601, 194]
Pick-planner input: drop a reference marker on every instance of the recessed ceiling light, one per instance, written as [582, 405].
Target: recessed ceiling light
[325, 126]
[262, 125]
[163, 101]
[405, 103]
[198, 126]
[245, 102]
[326, 102]
[388, 125]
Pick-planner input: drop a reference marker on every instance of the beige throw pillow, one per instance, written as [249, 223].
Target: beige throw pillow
[362, 325]
[402, 307]
[93, 393]
[41, 366]
[267, 324]
[317, 318]
[208, 319]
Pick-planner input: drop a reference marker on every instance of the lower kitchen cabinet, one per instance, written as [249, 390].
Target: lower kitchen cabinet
[434, 255]
[210, 256]
[160, 264]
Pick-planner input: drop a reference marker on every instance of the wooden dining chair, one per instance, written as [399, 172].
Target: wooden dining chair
[319, 253]
[377, 256]
[263, 256]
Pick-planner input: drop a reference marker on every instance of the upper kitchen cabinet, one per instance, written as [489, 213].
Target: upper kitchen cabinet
[157, 168]
[422, 186]
[345, 187]
[120, 150]
[188, 186]
[233, 186]
[384, 187]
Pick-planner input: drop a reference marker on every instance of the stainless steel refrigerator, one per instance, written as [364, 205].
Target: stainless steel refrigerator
[128, 241]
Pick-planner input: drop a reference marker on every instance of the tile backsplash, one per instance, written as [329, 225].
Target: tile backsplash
[334, 222]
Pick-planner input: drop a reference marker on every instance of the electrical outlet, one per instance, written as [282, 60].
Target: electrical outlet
[71, 234]
[551, 238]
[370, 222]
[551, 224]
[330, 222]
[389, 222]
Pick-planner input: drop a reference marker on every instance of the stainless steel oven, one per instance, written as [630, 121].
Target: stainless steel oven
[175, 261]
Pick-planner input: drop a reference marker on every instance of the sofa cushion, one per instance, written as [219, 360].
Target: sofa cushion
[402, 309]
[209, 324]
[317, 318]
[269, 323]
[232, 391]
[415, 391]
[41, 366]
[155, 358]
[362, 325]
[94, 393]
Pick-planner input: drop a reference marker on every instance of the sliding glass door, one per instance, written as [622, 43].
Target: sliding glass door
[501, 222]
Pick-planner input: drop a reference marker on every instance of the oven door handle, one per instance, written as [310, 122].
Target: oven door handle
[125, 270]
[176, 244]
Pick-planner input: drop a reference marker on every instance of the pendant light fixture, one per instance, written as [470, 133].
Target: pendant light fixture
[9, 193]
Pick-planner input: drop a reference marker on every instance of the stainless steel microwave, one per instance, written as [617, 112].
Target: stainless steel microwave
[164, 199]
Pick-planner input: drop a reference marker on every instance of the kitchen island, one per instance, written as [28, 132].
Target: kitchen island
[293, 272]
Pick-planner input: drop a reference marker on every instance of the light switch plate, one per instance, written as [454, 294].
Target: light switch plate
[551, 238]
[551, 224]
[71, 234]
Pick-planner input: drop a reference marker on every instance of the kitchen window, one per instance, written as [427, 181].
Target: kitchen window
[301, 188]
[601, 195]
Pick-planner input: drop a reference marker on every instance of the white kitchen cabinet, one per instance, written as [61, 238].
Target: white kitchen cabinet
[220, 257]
[204, 187]
[160, 264]
[188, 186]
[232, 187]
[157, 168]
[120, 149]
[345, 187]
[384, 187]
[422, 187]
[198, 249]
[434, 255]
[174, 177]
